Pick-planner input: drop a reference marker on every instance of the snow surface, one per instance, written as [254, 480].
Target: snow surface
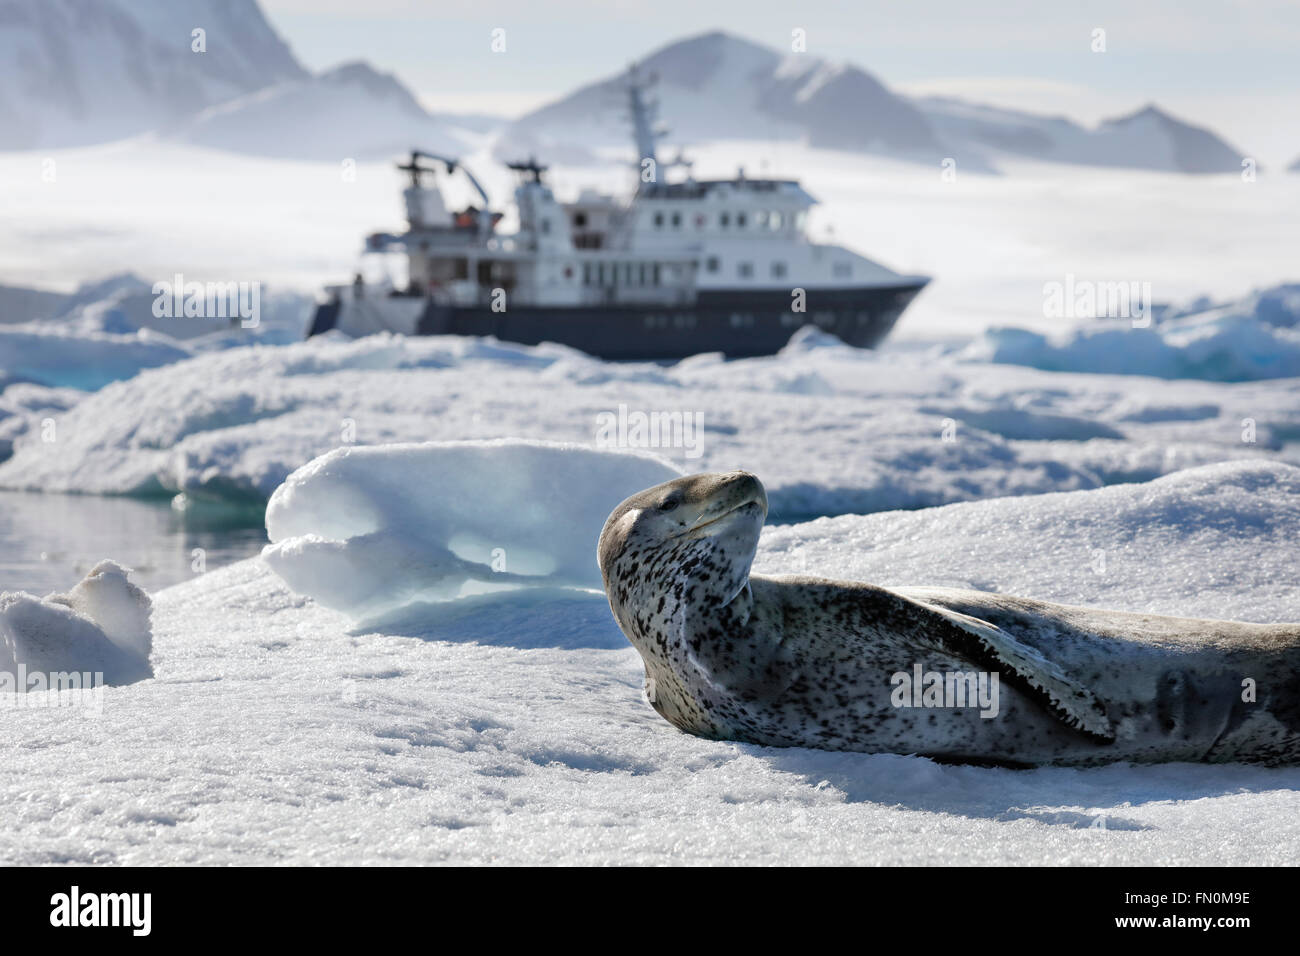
[372, 530]
[511, 727]
[100, 627]
[831, 429]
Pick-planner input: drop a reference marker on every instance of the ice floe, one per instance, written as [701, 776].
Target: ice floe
[1258, 338]
[512, 728]
[101, 628]
[832, 429]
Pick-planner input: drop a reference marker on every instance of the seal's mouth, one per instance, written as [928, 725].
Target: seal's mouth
[749, 508]
[741, 496]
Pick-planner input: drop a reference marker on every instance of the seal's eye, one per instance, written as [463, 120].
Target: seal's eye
[669, 504]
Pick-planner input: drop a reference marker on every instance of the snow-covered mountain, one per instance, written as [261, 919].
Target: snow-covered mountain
[1146, 139]
[1152, 138]
[75, 72]
[351, 111]
[718, 86]
[86, 71]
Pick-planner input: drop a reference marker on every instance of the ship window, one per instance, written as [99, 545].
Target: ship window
[843, 270]
[746, 269]
[711, 264]
[677, 220]
[640, 274]
[546, 226]
[760, 217]
[774, 221]
[579, 219]
[586, 273]
[460, 268]
[659, 220]
[724, 220]
[778, 270]
[740, 220]
[799, 219]
[600, 273]
[654, 272]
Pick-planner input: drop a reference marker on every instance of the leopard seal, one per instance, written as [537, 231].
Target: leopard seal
[796, 661]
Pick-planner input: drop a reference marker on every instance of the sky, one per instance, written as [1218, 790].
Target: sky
[1231, 65]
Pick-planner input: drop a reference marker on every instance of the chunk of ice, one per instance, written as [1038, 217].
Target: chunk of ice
[366, 530]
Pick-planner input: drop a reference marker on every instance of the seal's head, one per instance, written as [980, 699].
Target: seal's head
[695, 516]
[698, 530]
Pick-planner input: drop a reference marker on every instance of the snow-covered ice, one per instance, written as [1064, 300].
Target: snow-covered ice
[511, 727]
[24, 405]
[106, 332]
[101, 627]
[831, 429]
[67, 357]
[1255, 339]
[1142, 547]
[371, 530]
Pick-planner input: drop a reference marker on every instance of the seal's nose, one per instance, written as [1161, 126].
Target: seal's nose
[745, 487]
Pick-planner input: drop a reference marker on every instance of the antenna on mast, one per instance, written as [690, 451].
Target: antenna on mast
[645, 113]
[646, 129]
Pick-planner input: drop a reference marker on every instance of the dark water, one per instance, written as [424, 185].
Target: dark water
[49, 542]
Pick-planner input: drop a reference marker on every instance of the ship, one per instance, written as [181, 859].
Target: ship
[683, 266]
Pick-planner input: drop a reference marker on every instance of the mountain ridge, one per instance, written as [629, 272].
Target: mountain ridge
[76, 72]
[717, 85]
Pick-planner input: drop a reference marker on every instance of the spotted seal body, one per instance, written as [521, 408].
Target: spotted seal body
[802, 661]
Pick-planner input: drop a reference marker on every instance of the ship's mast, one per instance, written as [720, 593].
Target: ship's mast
[646, 130]
[645, 114]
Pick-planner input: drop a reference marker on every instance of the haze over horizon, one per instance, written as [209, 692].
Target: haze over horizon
[1228, 65]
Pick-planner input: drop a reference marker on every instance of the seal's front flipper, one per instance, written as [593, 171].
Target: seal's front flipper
[983, 643]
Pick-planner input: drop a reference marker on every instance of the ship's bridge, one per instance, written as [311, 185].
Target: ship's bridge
[701, 210]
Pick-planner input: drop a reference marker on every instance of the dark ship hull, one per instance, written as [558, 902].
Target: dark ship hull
[738, 323]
